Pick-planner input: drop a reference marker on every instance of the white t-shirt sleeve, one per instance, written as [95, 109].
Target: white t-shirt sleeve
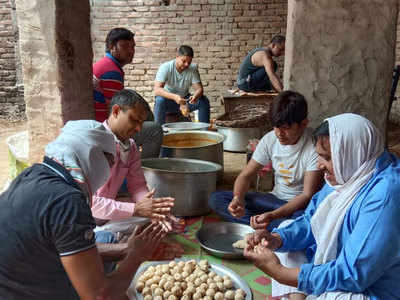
[262, 154]
[312, 163]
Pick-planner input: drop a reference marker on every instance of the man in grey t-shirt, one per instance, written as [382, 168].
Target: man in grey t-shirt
[173, 81]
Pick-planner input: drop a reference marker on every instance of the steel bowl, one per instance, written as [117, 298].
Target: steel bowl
[217, 238]
[189, 181]
[185, 126]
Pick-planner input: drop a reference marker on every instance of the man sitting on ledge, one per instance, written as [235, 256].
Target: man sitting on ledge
[257, 73]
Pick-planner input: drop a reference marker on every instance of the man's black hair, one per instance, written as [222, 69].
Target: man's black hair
[278, 40]
[287, 108]
[185, 50]
[127, 99]
[117, 34]
[321, 131]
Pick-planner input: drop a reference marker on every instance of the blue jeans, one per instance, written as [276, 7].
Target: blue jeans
[163, 106]
[258, 81]
[106, 237]
[256, 203]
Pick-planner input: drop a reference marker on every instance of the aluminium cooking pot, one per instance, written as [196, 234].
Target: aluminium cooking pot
[189, 181]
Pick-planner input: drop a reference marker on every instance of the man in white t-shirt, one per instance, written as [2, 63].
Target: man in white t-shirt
[294, 160]
[173, 80]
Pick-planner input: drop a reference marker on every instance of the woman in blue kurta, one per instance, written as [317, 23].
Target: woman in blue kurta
[350, 231]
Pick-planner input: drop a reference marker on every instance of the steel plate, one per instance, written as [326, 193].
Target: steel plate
[217, 238]
[238, 282]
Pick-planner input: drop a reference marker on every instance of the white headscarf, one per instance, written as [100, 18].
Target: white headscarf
[355, 145]
[80, 149]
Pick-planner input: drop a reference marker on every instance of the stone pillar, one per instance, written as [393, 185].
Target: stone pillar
[340, 55]
[56, 56]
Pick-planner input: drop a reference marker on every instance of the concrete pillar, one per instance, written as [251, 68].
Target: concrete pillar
[56, 56]
[340, 55]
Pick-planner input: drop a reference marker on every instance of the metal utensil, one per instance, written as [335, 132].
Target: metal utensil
[217, 238]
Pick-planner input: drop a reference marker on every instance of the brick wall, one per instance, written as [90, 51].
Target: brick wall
[220, 32]
[12, 105]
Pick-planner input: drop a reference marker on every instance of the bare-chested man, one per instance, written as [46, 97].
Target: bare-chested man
[257, 71]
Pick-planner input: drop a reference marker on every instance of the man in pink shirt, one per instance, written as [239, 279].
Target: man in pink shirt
[128, 110]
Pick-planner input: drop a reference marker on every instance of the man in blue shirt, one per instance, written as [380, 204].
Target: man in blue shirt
[350, 230]
[173, 81]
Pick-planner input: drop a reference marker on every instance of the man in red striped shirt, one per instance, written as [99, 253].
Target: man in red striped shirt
[108, 78]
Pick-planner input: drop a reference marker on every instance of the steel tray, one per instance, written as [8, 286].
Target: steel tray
[219, 269]
[217, 238]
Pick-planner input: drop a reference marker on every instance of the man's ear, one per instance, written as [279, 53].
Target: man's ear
[304, 123]
[115, 110]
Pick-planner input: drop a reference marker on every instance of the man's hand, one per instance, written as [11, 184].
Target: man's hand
[262, 221]
[193, 100]
[264, 238]
[263, 258]
[179, 100]
[143, 242]
[154, 208]
[236, 207]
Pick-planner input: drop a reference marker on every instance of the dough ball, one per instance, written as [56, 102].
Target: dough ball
[140, 286]
[181, 264]
[185, 297]
[218, 278]
[191, 290]
[176, 291]
[162, 282]
[151, 269]
[228, 283]
[165, 269]
[209, 280]
[210, 292]
[167, 294]
[204, 278]
[204, 286]
[207, 297]
[153, 287]
[184, 285]
[197, 282]
[213, 286]
[172, 297]
[226, 277]
[156, 279]
[197, 296]
[168, 285]
[239, 297]
[172, 264]
[241, 292]
[212, 274]
[158, 297]
[221, 287]
[146, 291]
[149, 282]
[158, 292]
[158, 273]
[185, 274]
[230, 295]
[178, 277]
[218, 296]
[148, 297]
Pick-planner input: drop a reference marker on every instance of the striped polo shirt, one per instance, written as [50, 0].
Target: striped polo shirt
[108, 78]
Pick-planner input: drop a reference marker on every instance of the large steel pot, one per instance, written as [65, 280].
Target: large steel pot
[189, 181]
[238, 138]
[203, 145]
[184, 126]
